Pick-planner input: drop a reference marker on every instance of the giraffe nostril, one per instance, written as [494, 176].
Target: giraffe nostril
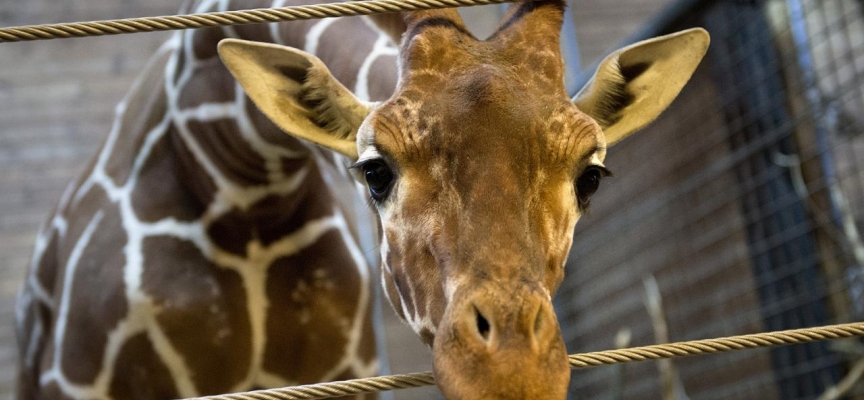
[483, 327]
[539, 322]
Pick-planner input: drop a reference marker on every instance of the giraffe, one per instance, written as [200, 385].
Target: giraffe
[478, 168]
[212, 253]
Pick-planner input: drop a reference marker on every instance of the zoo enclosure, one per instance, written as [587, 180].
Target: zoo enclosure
[744, 203]
[766, 108]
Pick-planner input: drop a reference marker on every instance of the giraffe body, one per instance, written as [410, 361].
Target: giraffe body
[204, 251]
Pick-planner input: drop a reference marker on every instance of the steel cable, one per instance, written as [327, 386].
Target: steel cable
[225, 18]
[585, 360]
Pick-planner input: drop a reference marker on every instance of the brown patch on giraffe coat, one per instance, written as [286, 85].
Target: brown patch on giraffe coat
[225, 147]
[291, 166]
[210, 83]
[44, 314]
[192, 174]
[204, 42]
[79, 214]
[288, 30]
[270, 133]
[145, 109]
[393, 24]
[46, 268]
[361, 42]
[386, 66]
[26, 385]
[96, 312]
[313, 297]
[202, 310]
[139, 373]
[35, 314]
[46, 362]
[274, 216]
[161, 190]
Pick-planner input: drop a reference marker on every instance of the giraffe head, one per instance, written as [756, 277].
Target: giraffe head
[479, 166]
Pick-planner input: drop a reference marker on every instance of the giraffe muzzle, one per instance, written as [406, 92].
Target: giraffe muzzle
[501, 344]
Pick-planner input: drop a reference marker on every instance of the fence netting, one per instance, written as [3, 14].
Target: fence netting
[740, 210]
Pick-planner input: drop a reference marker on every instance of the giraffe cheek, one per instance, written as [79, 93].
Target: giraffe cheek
[392, 294]
[399, 284]
[554, 276]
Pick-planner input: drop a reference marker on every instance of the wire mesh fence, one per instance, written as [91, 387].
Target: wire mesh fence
[744, 203]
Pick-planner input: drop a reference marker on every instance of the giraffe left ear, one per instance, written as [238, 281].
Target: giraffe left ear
[297, 92]
[634, 85]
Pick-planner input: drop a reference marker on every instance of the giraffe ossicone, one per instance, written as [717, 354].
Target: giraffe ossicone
[205, 251]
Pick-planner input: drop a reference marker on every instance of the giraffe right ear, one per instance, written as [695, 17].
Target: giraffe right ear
[297, 92]
[634, 85]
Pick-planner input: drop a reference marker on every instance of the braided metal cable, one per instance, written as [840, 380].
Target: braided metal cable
[585, 360]
[333, 389]
[224, 18]
[706, 346]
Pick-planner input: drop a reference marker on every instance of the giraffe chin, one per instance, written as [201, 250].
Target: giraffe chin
[506, 345]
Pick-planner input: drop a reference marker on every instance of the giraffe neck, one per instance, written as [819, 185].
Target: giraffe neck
[235, 147]
[234, 160]
[195, 185]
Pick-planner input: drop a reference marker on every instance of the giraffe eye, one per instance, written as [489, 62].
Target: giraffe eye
[378, 177]
[588, 183]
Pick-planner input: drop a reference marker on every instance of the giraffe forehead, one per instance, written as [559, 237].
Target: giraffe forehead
[480, 119]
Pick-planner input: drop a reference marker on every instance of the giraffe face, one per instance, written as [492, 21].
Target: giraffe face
[478, 210]
[479, 167]
[478, 185]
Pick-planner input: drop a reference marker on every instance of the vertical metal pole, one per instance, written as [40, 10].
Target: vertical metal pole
[798, 28]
